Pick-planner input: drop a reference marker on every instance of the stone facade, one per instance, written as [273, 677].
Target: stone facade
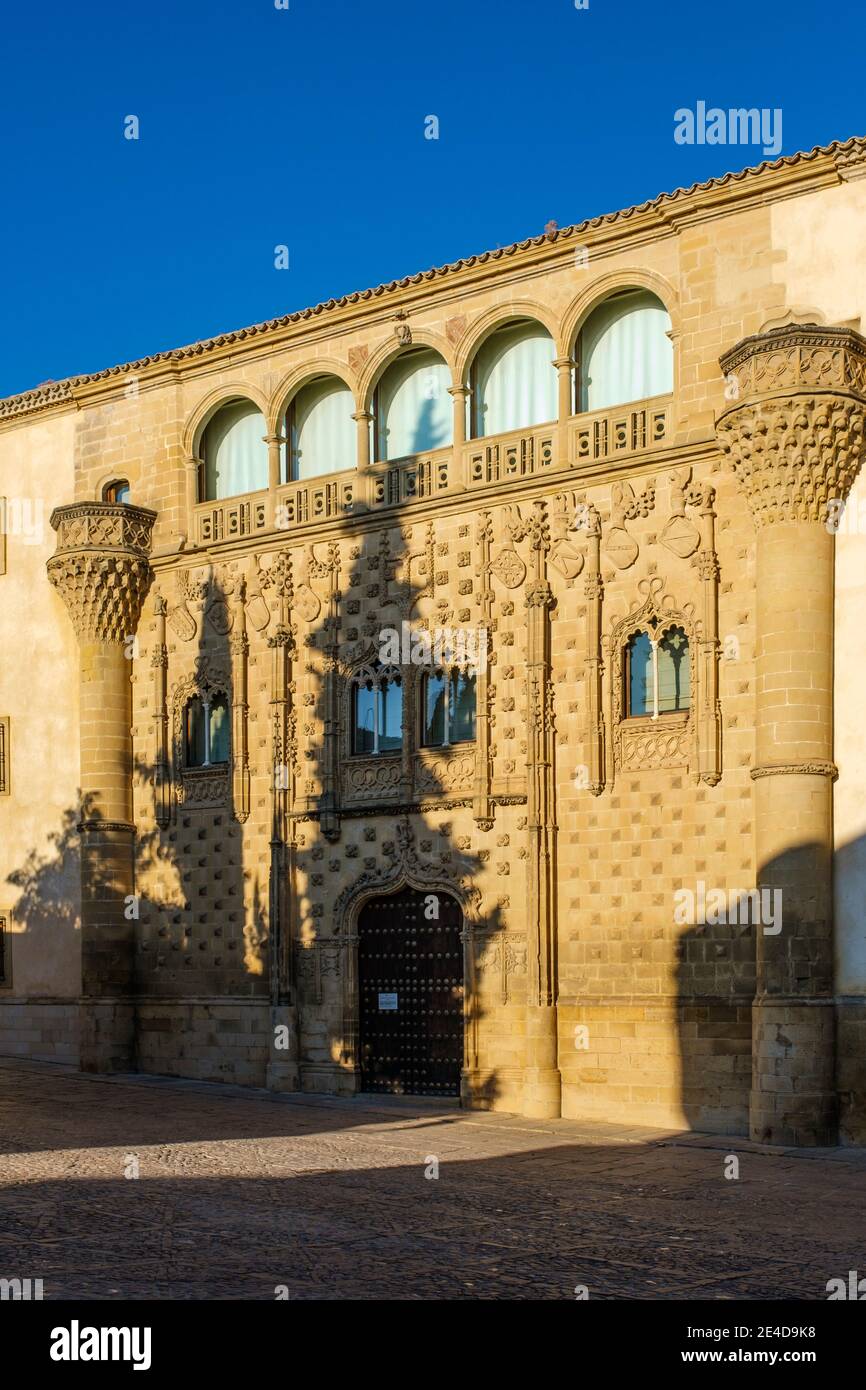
[215, 910]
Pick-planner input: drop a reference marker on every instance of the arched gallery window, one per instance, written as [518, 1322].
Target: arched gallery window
[377, 710]
[513, 380]
[656, 674]
[412, 410]
[322, 435]
[206, 731]
[447, 708]
[624, 352]
[234, 452]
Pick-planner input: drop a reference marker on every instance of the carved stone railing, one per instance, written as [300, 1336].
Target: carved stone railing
[477, 464]
[625, 429]
[412, 479]
[518, 454]
[317, 499]
[231, 519]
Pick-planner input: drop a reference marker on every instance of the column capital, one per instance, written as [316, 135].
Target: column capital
[100, 566]
[796, 425]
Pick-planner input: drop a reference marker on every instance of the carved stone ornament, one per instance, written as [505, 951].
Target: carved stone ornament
[795, 429]
[258, 613]
[508, 568]
[619, 546]
[358, 356]
[100, 567]
[680, 535]
[182, 623]
[219, 617]
[307, 604]
[406, 869]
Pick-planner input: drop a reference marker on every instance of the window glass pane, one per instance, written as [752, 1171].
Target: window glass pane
[434, 710]
[625, 353]
[365, 718]
[462, 707]
[639, 668]
[515, 383]
[235, 452]
[415, 410]
[390, 715]
[674, 674]
[324, 435]
[194, 733]
[219, 730]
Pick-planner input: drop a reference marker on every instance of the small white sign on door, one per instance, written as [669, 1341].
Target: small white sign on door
[387, 1003]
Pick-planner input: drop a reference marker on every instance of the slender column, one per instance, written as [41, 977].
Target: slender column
[593, 666]
[194, 492]
[795, 437]
[709, 714]
[282, 1073]
[159, 664]
[101, 570]
[363, 419]
[483, 807]
[457, 471]
[565, 395]
[275, 444]
[542, 1087]
[240, 652]
[459, 395]
[329, 810]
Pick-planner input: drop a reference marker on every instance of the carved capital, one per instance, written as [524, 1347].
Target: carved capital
[100, 566]
[795, 430]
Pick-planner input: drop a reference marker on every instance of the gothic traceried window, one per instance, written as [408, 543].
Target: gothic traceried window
[377, 710]
[206, 731]
[656, 674]
[447, 708]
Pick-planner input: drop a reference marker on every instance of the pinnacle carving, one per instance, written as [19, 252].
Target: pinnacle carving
[100, 567]
[795, 433]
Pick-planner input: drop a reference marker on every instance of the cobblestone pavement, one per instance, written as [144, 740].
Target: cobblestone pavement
[240, 1192]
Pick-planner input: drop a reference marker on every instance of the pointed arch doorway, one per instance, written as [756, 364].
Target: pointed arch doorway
[411, 992]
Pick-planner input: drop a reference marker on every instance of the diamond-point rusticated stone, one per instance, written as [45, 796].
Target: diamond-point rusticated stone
[796, 429]
[101, 567]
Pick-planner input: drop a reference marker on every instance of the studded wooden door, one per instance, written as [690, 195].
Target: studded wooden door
[410, 979]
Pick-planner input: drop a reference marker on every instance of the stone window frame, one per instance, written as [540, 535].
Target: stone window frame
[200, 786]
[364, 671]
[447, 669]
[2, 535]
[656, 629]
[671, 739]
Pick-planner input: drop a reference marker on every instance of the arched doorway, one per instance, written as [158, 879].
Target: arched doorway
[410, 985]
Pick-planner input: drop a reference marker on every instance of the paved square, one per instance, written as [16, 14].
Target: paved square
[240, 1192]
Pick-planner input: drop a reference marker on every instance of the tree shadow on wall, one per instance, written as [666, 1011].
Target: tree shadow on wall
[377, 815]
[48, 906]
[202, 933]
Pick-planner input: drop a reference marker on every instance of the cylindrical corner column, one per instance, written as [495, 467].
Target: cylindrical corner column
[795, 436]
[100, 568]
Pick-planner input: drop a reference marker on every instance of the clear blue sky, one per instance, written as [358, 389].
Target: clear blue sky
[262, 127]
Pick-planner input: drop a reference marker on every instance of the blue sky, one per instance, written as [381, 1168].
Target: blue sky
[261, 127]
